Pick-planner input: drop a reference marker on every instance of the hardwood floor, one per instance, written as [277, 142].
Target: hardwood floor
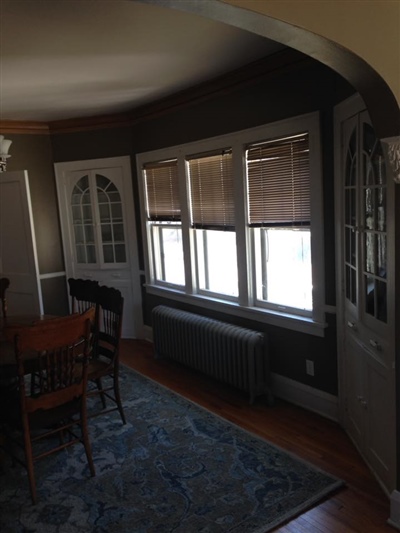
[360, 507]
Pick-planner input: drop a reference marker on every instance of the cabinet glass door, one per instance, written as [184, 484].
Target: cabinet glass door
[374, 250]
[365, 248]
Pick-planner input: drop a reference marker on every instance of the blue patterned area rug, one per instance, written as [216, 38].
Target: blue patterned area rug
[174, 467]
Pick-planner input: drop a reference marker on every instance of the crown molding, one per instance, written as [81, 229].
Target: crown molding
[287, 60]
[24, 127]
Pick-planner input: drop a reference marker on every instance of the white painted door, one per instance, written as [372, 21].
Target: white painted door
[18, 259]
[365, 288]
[99, 231]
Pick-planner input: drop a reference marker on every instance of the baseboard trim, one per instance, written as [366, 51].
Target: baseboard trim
[394, 519]
[305, 396]
[147, 333]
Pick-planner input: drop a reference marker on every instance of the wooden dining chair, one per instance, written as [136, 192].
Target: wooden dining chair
[4, 284]
[83, 294]
[103, 370]
[59, 350]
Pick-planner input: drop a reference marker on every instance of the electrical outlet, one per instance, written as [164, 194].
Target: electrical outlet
[309, 367]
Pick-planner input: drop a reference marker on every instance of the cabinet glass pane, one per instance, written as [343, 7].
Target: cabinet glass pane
[351, 287]
[369, 285]
[78, 231]
[76, 214]
[375, 169]
[118, 232]
[381, 255]
[381, 300]
[376, 298]
[87, 213]
[80, 254]
[370, 256]
[82, 220]
[120, 255]
[351, 161]
[106, 233]
[380, 202]
[350, 246]
[104, 211]
[369, 211]
[89, 234]
[91, 254]
[102, 197]
[110, 211]
[108, 252]
[85, 199]
[350, 207]
[116, 212]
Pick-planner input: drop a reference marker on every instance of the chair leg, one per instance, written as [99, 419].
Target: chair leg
[102, 395]
[29, 460]
[86, 441]
[118, 397]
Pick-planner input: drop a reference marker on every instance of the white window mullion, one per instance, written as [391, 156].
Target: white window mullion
[317, 218]
[242, 240]
[187, 236]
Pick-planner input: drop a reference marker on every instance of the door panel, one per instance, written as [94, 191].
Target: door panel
[18, 260]
[99, 232]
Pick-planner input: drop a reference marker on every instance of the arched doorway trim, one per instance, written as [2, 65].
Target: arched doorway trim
[379, 99]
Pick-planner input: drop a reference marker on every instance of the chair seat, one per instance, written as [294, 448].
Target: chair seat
[98, 368]
[40, 419]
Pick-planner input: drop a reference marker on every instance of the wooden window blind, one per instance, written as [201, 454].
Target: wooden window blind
[162, 186]
[278, 176]
[211, 191]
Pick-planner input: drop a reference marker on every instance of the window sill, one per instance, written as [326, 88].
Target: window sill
[266, 316]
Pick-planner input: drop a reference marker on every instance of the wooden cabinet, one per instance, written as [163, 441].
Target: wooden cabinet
[365, 278]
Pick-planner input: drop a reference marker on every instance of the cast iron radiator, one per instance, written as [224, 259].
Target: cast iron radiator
[232, 354]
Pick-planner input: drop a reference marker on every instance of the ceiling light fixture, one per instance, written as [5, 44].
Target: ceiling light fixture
[4, 147]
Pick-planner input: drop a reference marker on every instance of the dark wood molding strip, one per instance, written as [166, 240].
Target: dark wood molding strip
[24, 127]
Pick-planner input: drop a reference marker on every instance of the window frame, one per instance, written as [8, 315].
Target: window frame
[246, 304]
[156, 243]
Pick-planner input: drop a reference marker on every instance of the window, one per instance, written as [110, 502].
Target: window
[87, 217]
[164, 221]
[235, 223]
[212, 218]
[278, 188]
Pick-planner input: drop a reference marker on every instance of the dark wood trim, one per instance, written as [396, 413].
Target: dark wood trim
[24, 127]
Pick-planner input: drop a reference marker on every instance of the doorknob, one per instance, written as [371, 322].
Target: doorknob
[375, 345]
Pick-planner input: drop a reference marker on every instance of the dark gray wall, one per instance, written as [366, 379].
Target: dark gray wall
[272, 98]
[314, 88]
[34, 154]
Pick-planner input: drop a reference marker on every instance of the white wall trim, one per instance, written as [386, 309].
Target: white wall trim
[52, 275]
[147, 333]
[394, 519]
[292, 391]
[305, 396]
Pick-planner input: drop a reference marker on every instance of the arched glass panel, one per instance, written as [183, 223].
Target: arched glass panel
[350, 215]
[111, 222]
[82, 221]
[374, 219]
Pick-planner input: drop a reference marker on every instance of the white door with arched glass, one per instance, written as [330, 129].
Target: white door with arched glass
[98, 228]
[365, 268]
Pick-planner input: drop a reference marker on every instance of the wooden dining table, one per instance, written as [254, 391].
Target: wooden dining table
[8, 330]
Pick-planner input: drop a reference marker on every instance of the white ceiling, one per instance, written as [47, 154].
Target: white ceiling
[63, 59]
